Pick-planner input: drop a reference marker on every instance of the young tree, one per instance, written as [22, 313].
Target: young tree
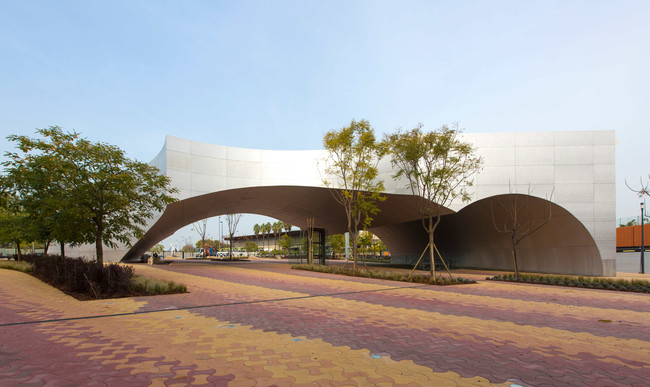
[337, 243]
[250, 246]
[104, 196]
[310, 241]
[518, 220]
[353, 155]
[365, 241]
[232, 220]
[439, 167]
[201, 229]
[285, 243]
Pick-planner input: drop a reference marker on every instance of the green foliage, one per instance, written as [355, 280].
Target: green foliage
[159, 248]
[23, 266]
[78, 191]
[285, 243]
[438, 167]
[337, 243]
[250, 246]
[153, 286]
[639, 286]
[392, 276]
[353, 154]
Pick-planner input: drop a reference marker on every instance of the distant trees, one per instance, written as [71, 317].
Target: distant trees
[438, 167]
[352, 158]
[76, 191]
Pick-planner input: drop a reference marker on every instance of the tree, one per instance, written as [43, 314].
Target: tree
[438, 167]
[257, 229]
[250, 246]
[518, 220]
[277, 229]
[159, 249]
[201, 229]
[286, 226]
[266, 230]
[232, 220]
[353, 155]
[97, 194]
[285, 243]
[188, 248]
[33, 181]
[310, 241]
[337, 243]
[365, 241]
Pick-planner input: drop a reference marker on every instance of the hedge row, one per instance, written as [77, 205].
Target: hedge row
[639, 286]
[88, 278]
[386, 275]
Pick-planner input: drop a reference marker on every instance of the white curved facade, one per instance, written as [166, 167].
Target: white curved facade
[577, 166]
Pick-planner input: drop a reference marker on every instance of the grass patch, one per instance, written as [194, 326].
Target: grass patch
[391, 276]
[25, 267]
[153, 286]
[636, 286]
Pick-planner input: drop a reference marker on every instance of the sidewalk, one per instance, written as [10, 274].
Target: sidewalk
[263, 324]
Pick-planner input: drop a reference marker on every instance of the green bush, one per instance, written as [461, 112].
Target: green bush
[23, 266]
[393, 276]
[147, 285]
[88, 279]
[639, 286]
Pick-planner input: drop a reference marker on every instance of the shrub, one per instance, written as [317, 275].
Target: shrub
[23, 266]
[394, 276]
[147, 285]
[640, 286]
[90, 279]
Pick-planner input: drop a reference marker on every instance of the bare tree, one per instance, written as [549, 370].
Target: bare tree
[232, 220]
[200, 228]
[644, 190]
[518, 219]
[310, 239]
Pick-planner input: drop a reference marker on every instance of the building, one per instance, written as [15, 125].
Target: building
[576, 168]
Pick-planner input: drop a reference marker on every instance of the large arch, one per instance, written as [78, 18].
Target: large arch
[562, 246]
[292, 204]
[577, 166]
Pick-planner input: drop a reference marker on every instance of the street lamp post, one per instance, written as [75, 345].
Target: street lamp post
[642, 241]
[205, 225]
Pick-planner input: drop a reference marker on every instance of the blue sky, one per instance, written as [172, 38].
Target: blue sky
[278, 74]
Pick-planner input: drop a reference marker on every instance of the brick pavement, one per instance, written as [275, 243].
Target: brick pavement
[263, 324]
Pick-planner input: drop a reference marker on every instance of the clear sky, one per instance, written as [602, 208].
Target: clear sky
[278, 74]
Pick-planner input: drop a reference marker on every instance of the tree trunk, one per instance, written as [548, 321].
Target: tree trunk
[431, 248]
[514, 258]
[47, 247]
[62, 248]
[98, 241]
[231, 236]
[354, 250]
[19, 254]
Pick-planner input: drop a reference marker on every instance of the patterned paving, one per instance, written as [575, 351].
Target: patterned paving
[258, 324]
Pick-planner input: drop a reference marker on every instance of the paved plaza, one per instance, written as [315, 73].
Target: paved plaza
[263, 324]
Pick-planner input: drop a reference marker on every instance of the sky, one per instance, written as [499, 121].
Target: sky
[279, 74]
